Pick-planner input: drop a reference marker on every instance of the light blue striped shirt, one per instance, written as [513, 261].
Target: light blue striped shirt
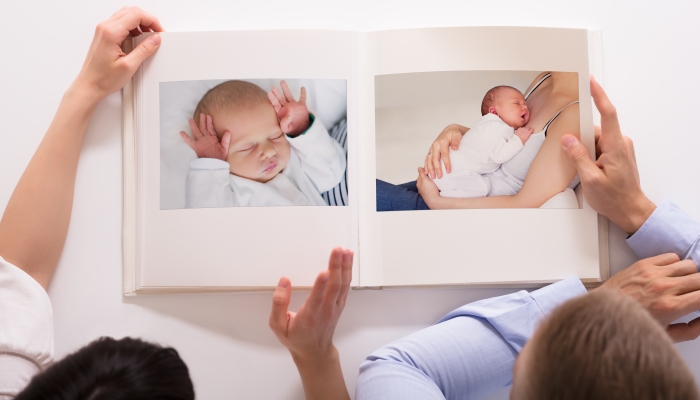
[471, 351]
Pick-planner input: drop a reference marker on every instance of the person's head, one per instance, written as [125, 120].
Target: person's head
[258, 150]
[507, 103]
[601, 346]
[109, 369]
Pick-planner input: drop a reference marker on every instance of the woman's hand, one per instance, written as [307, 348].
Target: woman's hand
[610, 184]
[308, 333]
[107, 68]
[293, 115]
[428, 190]
[205, 142]
[440, 149]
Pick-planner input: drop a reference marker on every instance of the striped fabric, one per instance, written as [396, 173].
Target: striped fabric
[338, 196]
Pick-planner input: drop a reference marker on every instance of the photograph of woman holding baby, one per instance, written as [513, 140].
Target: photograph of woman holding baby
[510, 158]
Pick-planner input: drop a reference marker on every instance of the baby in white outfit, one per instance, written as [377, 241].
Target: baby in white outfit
[259, 149]
[495, 138]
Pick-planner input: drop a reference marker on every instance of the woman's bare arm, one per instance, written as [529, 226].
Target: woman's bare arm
[549, 174]
[440, 149]
[34, 226]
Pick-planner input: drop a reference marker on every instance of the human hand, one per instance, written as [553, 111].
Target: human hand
[293, 115]
[428, 190]
[308, 333]
[205, 142]
[107, 68]
[448, 139]
[524, 133]
[610, 184]
[666, 287]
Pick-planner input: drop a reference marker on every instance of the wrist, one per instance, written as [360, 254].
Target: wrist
[83, 93]
[640, 212]
[316, 361]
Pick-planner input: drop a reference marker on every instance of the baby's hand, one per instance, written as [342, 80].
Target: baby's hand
[293, 115]
[206, 143]
[523, 133]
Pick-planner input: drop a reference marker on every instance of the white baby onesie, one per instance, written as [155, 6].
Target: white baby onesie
[316, 164]
[486, 146]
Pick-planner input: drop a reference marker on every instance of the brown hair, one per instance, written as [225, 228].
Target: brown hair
[491, 97]
[230, 94]
[605, 346]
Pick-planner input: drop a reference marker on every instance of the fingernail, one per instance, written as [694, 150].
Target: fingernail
[155, 39]
[283, 283]
[568, 141]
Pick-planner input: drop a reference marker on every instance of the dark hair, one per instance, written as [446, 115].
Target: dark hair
[491, 97]
[602, 346]
[109, 369]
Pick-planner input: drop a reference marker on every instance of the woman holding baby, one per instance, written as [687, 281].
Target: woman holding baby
[538, 172]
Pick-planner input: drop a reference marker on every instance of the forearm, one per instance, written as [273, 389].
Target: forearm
[322, 377]
[448, 203]
[35, 223]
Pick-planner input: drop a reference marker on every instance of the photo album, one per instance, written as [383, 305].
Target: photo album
[434, 154]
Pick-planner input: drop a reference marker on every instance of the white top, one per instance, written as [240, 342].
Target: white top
[316, 165]
[26, 329]
[486, 146]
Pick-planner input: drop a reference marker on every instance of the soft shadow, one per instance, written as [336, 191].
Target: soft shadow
[244, 316]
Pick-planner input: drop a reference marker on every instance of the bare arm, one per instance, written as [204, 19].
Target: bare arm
[308, 333]
[549, 174]
[34, 226]
[448, 139]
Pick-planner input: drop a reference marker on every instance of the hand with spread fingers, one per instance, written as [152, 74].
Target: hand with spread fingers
[204, 141]
[293, 114]
[308, 333]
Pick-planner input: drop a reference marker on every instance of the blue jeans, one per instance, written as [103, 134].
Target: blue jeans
[399, 197]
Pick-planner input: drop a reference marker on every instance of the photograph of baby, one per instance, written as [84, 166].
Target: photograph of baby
[253, 142]
[475, 139]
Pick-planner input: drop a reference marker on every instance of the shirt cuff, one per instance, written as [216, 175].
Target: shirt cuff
[668, 230]
[556, 294]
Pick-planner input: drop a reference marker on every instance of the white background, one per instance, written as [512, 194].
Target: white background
[650, 68]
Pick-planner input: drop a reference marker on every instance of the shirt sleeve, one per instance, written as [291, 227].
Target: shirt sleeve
[467, 354]
[505, 144]
[209, 184]
[668, 230]
[322, 158]
[26, 329]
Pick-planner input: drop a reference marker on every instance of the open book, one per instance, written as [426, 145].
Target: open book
[249, 155]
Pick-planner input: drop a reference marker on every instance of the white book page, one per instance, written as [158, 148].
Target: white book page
[477, 246]
[239, 247]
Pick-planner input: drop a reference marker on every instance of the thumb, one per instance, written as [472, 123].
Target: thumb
[280, 305]
[286, 124]
[578, 155]
[143, 50]
[225, 142]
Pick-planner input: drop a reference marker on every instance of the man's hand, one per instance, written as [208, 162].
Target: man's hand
[428, 190]
[610, 184]
[666, 287]
[524, 133]
[205, 143]
[293, 115]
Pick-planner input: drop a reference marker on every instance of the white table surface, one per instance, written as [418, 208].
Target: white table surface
[650, 72]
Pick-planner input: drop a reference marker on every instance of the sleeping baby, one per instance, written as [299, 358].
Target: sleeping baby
[495, 138]
[255, 149]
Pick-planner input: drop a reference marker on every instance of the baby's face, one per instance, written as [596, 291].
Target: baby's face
[258, 149]
[511, 108]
